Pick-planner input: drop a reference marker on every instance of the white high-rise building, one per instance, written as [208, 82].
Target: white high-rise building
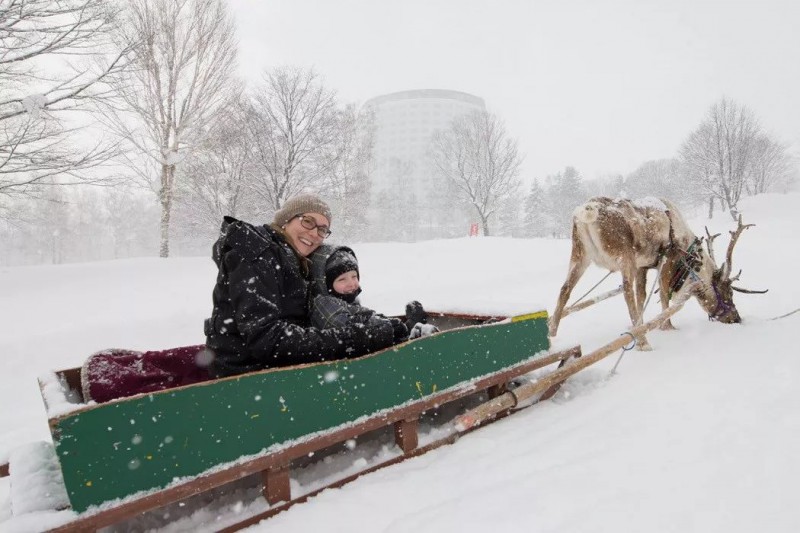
[404, 124]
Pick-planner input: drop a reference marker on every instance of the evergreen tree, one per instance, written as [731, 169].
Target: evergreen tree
[565, 193]
[535, 219]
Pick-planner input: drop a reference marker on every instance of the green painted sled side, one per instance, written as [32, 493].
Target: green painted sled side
[146, 442]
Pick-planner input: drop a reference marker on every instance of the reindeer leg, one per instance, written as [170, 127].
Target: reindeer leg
[629, 272]
[664, 276]
[577, 266]
[641, 291]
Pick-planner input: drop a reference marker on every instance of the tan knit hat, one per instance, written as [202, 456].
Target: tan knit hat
[302, 203]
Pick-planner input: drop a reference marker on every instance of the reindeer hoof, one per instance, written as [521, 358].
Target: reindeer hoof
[643, 346]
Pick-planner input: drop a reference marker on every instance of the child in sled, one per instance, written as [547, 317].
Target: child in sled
[336, 286]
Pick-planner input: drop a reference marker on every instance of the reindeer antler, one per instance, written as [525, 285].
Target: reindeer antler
[748, 291]
[709, 244]
[726, 268]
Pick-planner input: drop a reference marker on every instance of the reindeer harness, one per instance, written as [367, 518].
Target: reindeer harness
[689, 264]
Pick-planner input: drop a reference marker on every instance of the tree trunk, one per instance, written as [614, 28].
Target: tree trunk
[167, 174]
[710, 207]
[729, 201]
[485, 225]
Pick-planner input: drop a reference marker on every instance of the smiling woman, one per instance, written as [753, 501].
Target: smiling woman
[260, 314]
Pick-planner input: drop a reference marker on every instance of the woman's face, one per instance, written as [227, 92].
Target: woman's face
[305, 240]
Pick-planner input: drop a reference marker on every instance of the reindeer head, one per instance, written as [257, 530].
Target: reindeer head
[716, 295]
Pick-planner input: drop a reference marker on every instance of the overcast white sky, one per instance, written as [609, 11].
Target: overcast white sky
[602, 85]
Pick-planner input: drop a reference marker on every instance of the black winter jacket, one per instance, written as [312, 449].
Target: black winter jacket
[329, 311]
[260, 315]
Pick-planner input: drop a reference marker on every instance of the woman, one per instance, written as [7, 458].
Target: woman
[260, 315]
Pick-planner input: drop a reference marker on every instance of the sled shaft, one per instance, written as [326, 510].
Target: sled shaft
[590, 302]
[510, 399]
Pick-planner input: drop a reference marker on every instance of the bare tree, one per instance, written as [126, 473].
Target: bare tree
[719, 153]
[52, 61]
[294, 127]
[219, 179]
[350, 164]
[771, 166]
[477, 156]
[183, 76]
[662, 178]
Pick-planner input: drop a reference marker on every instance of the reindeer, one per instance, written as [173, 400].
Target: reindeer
[635, 236]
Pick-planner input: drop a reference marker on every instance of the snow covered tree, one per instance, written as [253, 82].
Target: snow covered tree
[720, 154]
[52, 62]
[184, 54]
[771, 166]
[477, 156]
[508, 219]
[535, 221]
[661, 178]
[219, 179]
[564, 194]
[612, 185]
[295, 126]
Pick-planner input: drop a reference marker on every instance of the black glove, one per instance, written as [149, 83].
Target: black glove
[400, 330]
[415, 314]
[362, 339]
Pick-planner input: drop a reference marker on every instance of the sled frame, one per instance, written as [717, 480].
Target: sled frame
[275, 467]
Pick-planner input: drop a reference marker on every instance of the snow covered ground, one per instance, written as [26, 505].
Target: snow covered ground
[700, 434]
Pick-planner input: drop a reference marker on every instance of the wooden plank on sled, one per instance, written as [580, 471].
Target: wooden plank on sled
[510, 399]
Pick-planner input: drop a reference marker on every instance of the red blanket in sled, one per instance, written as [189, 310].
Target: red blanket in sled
[116, 373]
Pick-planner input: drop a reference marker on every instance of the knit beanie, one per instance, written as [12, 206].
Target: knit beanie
[300, 204]
[340, 261]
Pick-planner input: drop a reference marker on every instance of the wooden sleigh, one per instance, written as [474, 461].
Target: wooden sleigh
[129, 456]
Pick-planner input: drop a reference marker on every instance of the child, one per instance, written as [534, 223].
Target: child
[336, 286]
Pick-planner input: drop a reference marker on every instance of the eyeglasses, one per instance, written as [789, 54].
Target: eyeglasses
[309, 223]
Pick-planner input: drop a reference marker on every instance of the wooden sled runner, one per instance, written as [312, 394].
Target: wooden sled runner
[129, 456]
